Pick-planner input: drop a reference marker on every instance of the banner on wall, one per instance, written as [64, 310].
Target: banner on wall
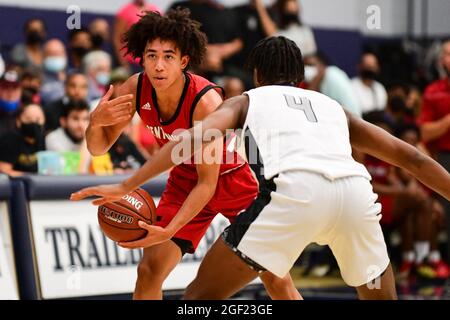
[75, 259]
[8, 288]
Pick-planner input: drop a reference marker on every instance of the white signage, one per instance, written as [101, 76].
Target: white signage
[8, 287]
[75, 259]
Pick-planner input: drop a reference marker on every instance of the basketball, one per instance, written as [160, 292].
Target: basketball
[119, 220]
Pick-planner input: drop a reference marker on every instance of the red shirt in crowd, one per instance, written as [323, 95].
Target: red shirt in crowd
[435, 106]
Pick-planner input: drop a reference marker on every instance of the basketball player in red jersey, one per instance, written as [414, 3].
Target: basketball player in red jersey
[169, 99]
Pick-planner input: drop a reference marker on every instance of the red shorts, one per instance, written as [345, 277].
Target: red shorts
[235, 191]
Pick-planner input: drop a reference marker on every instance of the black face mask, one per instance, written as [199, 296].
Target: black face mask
[289, 18]
[72, 137]
[397, 104]
[80, 51]
[97, 40]
[34, 37]
[32, 130]
[368, 74]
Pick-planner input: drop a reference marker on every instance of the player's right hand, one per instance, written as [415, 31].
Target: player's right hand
[111, 112]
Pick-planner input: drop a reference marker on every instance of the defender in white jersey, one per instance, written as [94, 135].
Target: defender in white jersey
[298, 144]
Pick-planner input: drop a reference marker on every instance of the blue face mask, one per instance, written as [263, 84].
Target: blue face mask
[102, 78]
[55, 64]
[9, 106]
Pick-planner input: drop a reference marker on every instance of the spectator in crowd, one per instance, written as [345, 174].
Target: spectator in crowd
[97, 68]
[289, 24]
[370, 93]
[125, 17]
[10, 93]
[418, 215]
[220, 26]
[70, 135]
[30, 54]
[76, 88]
[100, 35]
[55, 63]
[434, 120]
[331, 81]
[30, 82]
[80, 43]
[18, 148]
[250, 31]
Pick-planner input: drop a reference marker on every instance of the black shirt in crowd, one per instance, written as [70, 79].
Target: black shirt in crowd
[21, 154]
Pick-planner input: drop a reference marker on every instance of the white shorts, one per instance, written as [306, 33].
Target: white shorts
[297, 208]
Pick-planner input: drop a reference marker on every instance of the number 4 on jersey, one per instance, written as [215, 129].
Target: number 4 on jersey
[303, 104]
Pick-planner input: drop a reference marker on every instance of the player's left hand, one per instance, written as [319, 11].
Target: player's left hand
[107, 193]
[155, 235]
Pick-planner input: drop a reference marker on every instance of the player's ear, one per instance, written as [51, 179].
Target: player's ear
[184, 61]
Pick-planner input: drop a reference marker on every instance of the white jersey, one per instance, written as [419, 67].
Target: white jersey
[295, 129]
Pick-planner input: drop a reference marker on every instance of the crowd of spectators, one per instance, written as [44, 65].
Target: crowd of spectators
[47, 90]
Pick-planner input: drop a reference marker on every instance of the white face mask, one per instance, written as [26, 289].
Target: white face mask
[310, 73]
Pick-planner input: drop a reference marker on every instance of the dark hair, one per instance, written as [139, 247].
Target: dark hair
[27, 24]
[74, 105]
[379, 117]
[72, 33]
[277, 60]
[176, 26]
[401, 129]
[24, 106]
[74, 74]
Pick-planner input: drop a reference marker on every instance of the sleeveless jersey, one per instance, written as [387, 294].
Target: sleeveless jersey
[164, 131]
[295, 129]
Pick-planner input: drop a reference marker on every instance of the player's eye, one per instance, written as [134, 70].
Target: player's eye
[169, 57]
[151, 56]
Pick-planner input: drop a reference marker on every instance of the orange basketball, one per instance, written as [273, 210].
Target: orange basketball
[119, 220]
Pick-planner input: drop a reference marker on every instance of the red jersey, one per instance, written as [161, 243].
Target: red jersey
[435, 106]
[195, 88]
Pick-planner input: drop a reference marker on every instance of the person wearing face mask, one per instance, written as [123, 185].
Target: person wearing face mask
[18, 148]
[55, 63]
[74, 121]
[10, 93]
[371, 94]
[30, 53]
[434, 121]
[100, 35]
[287, 23]
[97, 68]
[330, 80]
[80, 44]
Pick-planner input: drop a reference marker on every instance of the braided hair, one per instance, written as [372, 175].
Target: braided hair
[277, 60]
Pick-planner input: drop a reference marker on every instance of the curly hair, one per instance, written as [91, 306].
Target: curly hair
[277, 60]
[176, 26]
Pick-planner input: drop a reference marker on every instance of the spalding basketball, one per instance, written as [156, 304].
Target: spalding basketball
[119, 220]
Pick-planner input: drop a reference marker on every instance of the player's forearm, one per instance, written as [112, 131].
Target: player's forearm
[197, 199]
[433, 130]
[430, 173]
[97, 140]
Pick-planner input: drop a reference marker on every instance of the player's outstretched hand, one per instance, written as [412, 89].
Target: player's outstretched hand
[107, 193]
[155, 235]
[111, 112]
